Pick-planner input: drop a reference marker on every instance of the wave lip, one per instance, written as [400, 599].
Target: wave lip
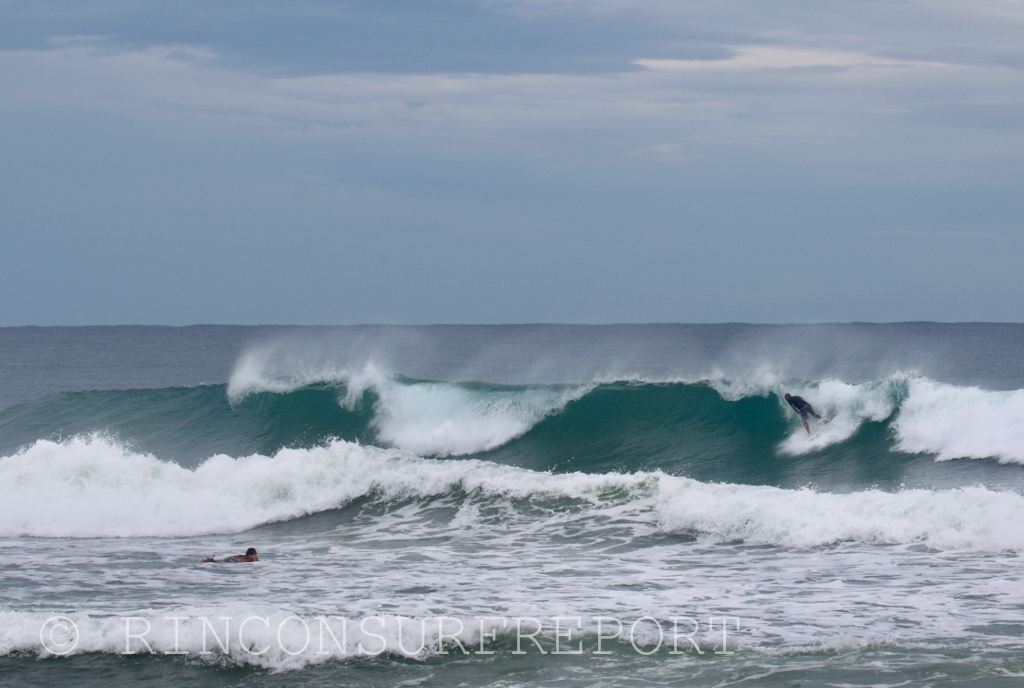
[456, 419]
[928, 417]
[448, 419]
[264, 370]
[725, 429]
[429, 418]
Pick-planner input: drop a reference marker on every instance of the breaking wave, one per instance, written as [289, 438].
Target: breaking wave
[604, 425]
[93, 487]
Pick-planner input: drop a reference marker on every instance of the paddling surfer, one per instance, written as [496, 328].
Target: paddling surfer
[804, 409]
[250, 555]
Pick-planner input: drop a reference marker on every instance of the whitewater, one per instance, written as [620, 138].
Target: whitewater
[420, 491]
[93, 488]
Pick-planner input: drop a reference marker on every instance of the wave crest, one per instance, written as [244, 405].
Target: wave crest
[425, 417]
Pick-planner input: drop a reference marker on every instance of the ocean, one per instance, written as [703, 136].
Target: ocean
[548, 505]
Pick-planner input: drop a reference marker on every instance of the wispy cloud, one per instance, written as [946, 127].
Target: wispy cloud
[656, 152]
[793, 104]
[748, 58]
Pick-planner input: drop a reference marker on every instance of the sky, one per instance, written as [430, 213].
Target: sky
[510, 161]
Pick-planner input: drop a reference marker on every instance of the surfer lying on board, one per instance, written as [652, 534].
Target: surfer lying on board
[804, 409]
[250, 555]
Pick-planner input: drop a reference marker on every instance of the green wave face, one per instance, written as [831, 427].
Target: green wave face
[689, 429]
[189, 425]
[680, 428]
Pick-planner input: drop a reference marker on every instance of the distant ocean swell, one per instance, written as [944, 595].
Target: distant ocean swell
[92, 487]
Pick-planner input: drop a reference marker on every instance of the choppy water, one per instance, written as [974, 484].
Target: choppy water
[411, 489]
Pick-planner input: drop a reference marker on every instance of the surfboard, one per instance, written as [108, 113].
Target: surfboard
[821, 424]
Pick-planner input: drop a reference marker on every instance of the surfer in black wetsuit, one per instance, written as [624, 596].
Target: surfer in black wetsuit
[804, 409]
[250, 555]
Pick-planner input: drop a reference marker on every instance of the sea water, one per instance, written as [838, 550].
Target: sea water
[505, 506]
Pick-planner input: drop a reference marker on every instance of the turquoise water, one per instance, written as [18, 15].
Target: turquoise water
[439, 486]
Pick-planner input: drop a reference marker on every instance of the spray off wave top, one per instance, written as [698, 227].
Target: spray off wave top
[452, 419]
[602, 425]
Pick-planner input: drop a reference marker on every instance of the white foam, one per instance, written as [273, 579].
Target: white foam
[92, 487]
[444, 419]
[930, 417]
[270, 638]
[970, 518]
[277, 640]
[961, 422]
[428, 418]
[846, 406]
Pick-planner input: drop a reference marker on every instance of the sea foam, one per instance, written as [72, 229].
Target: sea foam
[444, 419]
[243, 635]
[425, 417]
[961, 422]
[93, 487]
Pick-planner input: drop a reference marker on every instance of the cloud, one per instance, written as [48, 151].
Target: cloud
[837, 111]
[644, 154]
[749, 58]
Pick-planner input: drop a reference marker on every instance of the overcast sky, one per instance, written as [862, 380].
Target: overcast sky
[506, 161]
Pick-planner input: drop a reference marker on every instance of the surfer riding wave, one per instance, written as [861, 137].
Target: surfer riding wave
[801, 406]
